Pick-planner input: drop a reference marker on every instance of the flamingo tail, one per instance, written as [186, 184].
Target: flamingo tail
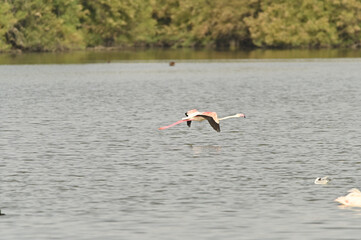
[180, 121]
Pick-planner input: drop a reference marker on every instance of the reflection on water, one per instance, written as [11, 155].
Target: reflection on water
[170, 54]
[356, 210]
[198, 149]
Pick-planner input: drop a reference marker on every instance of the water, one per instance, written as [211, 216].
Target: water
[152, 55]
[81, 156]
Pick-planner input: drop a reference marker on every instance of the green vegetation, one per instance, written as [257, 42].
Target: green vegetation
[58, 25]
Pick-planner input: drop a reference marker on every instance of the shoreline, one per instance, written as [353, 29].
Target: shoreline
[160, 48]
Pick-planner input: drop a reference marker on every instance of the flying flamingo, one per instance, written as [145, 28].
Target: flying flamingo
[195, 115]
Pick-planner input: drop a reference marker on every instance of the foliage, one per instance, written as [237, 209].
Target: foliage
[109, 22]
[7, 20]
[203, 22]
[43, 25]
[347, 19]
[307, 23]
[57, 25]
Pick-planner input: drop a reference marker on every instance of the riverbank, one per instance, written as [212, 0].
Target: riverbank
[109, 55]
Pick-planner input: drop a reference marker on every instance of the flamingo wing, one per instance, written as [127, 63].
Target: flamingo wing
[188, 122]
[211, 121]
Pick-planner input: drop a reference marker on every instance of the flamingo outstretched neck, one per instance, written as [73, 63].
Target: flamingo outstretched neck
[211, 117]
[233, 116]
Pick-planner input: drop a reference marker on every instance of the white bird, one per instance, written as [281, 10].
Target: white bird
[323, 180]
[353, 199]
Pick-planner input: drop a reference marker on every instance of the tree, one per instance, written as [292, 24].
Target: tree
[40, 27]
[109, 22]
[346, 17]
[7, 20]
[203, 23]
[299, 23]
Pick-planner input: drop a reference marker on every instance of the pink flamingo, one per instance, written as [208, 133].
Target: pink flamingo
[195, 115]
[353, 199]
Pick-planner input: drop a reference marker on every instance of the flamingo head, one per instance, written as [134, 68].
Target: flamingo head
[240, 115]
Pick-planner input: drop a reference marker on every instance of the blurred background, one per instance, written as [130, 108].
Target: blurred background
[59, 25]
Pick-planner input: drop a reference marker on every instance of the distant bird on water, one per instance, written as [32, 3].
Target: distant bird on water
[353, 199]
[171, 64]
[1, 214]
[211, 117]
[323, 180]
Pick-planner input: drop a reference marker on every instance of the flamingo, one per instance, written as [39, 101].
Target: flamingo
[195, 115]
[353, 199]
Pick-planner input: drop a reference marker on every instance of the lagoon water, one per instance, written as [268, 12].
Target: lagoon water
[81, 156]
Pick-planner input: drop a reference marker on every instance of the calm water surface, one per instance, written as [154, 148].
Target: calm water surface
[81, 156]
[152, 55]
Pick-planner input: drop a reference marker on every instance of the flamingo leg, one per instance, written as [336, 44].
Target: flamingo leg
[180, 121]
